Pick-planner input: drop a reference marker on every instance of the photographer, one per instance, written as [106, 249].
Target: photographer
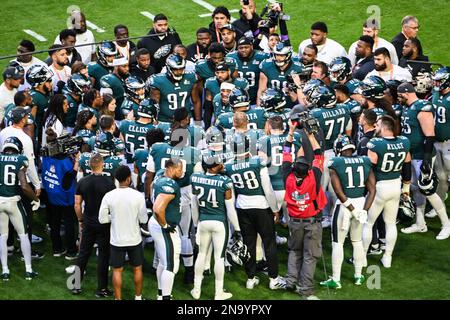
[249, 19]
[59, 172]
[304, 200]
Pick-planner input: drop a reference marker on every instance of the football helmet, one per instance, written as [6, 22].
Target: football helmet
[353, 85]
[78, 84]
[148, 109]
[373, 87]
[340, 68]
[104, 144]
[407, 209]
[273, 100]
[175, 62]
[441, 79]
[311, 85]
[343, 142]
[238, 98]
[322, 97]
[423, 82]
[13, 143]
[237, 252]
[214, 137]
[132, 85]
[427, 183]
[38, 74]
[282, 50]
[106, 49]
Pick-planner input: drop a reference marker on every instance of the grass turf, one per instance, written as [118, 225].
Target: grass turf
[420, 264]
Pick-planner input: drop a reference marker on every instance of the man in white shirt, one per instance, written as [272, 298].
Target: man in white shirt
[84, 36]
[328, 49]
[61, 72]
[125, 209]
[26, 61]
[371, 29]
[386, 70]
[12, 78]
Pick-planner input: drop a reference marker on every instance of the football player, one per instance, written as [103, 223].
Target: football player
[163, 225]
[334, 119]
[391, 160]
[175, 90]
[107, 124]
[13, 181]
[213, 207]
[85, 126]
[248, 61]
[354, 183]
[134, 95]
[160, 153]
[418, 127]
[340, 70]
[275, 70]
[113, 83]
[355, 109]
[76, 87]
[221, 100]
[106, 53]
[441, 103]
[274, 102]
[257, 209]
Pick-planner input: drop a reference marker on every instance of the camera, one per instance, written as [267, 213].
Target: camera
[272, 15]
[305, 76]
[63, 145]
[305, 121]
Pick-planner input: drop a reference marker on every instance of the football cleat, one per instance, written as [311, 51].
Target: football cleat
[415, 229]
[31, 275]
[195, 293]
[444, 234]
[5, 276]
[252, 283]
[223, 296]
[330, 283]
[386, 261]
[359, 280]
[277, 283]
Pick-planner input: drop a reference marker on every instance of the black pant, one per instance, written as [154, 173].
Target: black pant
[378, 230]
[70, 221]
[89, 236]
[253, 222]
[207, 114]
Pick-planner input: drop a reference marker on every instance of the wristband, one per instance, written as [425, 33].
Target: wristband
[347, 203]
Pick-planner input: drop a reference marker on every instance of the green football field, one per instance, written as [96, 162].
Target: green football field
[420, 267]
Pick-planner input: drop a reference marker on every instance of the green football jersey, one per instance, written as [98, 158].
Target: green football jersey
[85, 134]
[174, 95]
[272, 146]
[110, 165]
[41, 102]
[113, 82]
[71, 116]
[333, 122]
[205, 69]
[189, 156]
[277, 78]
[10, 165]
[391, 154]
[8, 115]
[411, 127]
[353, 173]
[97, 71]
[213, 85]
[165, 185]
[210, 191]
[398, 109]
[119, 146]
[253, 135]
[285, 114]
[82, 107]
[219, 107]
[246, 176]
[249, 69]
[128, 106]
[140, 159]
[257, 118]
[441, 104]
[353, 107]
[134, 133]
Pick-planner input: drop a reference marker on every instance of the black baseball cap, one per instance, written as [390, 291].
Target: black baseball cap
[229, 27]
[245, 41]
[406, 87]
[18, 113]
[222, 66]
[12, 73]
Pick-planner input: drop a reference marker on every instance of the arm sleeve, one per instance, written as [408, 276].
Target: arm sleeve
[104, 214]
[150, 163]
[31, 171]
[231, 212]
[287, 161]
[267, 187]
[194, 208]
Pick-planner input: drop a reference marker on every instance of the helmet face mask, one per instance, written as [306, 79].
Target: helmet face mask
[441, 79]
[342, 143]
[340, 69]
[428, 183]
[281, 50]
[176, 67]
[273, 99]
[373, 87]
[78, 84]
[322, 97]
[237, 252]
[135, 88]
[38, 75]
[407, 209]
[13, 143]
[106, 50]
[238, 98]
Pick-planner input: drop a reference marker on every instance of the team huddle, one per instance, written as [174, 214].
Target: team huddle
[207, 145]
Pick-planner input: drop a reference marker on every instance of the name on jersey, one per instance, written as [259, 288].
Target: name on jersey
[207, 181]
[334, 113]
[240, 166]
[9, 158]
[348, 160]
[137, 129]
[277, 139]
[175, 152]
[395, 146]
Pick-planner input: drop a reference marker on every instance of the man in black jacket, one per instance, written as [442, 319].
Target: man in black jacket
[411, 52]
[161, 44]
[248, 20]
[221, 16]
[364, 58]
[410, 28]
[199, 49]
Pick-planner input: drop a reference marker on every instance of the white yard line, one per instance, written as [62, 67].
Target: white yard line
[35, 35]
[94, 27]
[148, 15]
[209, 7]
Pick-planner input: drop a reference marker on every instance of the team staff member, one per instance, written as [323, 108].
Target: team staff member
[305, 200]
[125, 209]
[90, 190]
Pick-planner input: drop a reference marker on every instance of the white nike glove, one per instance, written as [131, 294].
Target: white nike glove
[360, 215]
[346, 220]
[35, 205]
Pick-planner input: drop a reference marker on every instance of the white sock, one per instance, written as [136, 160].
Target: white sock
[167, 278]
[25, 246]
[391, 237]
[219, 272]
[358, 257]
[4, 252]
[420, 218]
[198, 269]
[439, 206]
[337, 256]
[367, 236]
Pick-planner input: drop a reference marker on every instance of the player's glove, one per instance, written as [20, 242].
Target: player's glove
[169, 228]
[360, 215]
[35, 205]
